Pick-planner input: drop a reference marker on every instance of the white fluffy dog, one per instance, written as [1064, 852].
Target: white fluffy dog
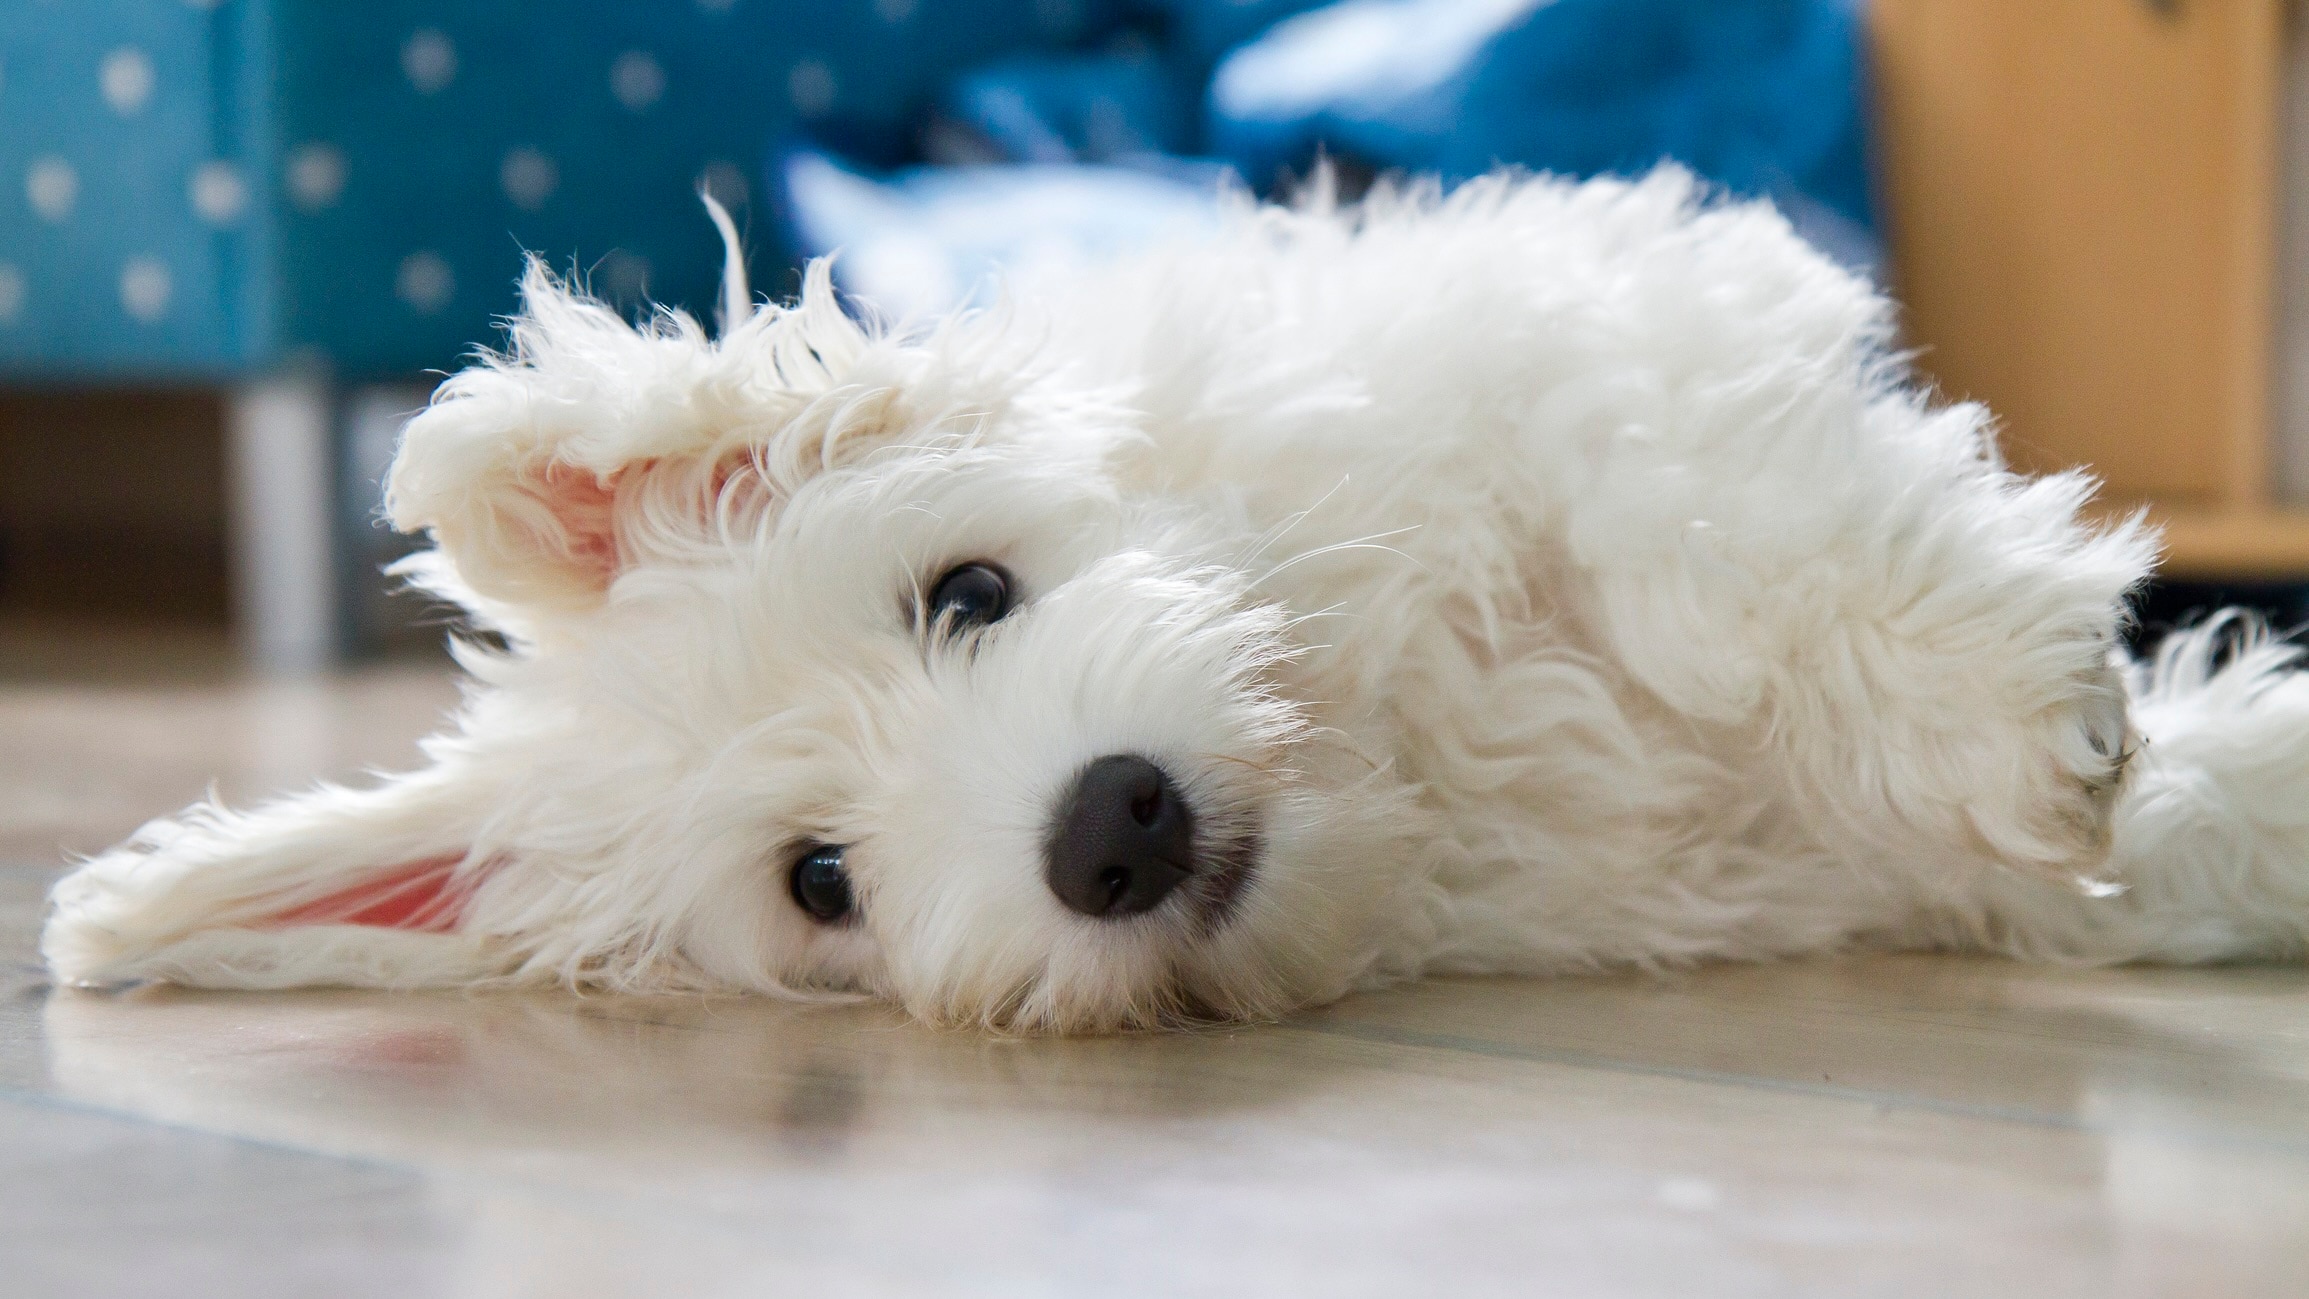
[1541, 578]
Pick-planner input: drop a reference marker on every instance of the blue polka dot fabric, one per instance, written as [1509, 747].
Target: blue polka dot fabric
[194, 188]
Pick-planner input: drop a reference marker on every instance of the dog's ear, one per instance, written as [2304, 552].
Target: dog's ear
[544, 471]
[364, 888]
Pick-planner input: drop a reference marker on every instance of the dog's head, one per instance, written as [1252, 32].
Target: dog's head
[834, 658]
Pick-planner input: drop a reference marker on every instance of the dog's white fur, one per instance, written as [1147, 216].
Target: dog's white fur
[1550, 577]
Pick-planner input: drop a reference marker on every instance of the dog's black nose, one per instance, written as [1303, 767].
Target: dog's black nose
[1123, 839]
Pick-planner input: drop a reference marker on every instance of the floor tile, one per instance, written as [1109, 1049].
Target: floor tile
[93, 1204]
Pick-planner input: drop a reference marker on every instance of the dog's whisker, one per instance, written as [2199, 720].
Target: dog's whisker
[1260, 767]
[1289, 523]
[1359, 543]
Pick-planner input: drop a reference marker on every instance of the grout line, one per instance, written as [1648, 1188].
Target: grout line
[2018, 1116]
[659, 1204]
[59, 1104]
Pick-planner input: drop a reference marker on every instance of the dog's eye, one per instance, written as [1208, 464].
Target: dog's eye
[820, 886]
[970, 595]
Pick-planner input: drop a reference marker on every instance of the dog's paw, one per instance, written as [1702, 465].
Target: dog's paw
[2071, 759]
[1970, 768]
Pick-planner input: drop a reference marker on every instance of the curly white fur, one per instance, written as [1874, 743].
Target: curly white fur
[1550, 577]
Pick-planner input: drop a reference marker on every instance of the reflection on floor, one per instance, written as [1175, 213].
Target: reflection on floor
[1881, 1126]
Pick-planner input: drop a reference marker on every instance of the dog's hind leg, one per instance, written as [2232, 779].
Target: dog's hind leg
[1917, 643]
[2210, 852]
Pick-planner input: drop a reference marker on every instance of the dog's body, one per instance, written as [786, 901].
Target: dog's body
[1540, 579]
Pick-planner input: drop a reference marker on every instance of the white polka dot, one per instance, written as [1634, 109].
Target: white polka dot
[316, 175]
[893, 12]
[218, 193]
[126, 79]
[1689, 1194]
[145, 288]
[726, 181]
[623, 277]
[11, 294]
[52, 187]
[811, 87]
[425, 282]
[429, 61]
[528, 178]
[636, 79]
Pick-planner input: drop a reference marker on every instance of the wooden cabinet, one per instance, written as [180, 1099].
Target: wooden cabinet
[2082, 200]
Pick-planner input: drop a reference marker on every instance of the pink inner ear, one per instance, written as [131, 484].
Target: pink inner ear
[423, 896]
[585, 504]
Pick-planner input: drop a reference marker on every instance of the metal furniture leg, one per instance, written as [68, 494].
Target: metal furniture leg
[280, 430]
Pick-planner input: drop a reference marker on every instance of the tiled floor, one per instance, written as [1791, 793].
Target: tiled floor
[1908, 1126]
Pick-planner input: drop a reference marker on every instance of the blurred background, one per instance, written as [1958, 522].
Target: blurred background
[240, 239]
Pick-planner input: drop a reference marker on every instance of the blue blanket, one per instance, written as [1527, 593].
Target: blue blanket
[1765, 97]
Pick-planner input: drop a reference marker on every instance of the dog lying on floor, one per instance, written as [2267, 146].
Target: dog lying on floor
[1541, 578]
